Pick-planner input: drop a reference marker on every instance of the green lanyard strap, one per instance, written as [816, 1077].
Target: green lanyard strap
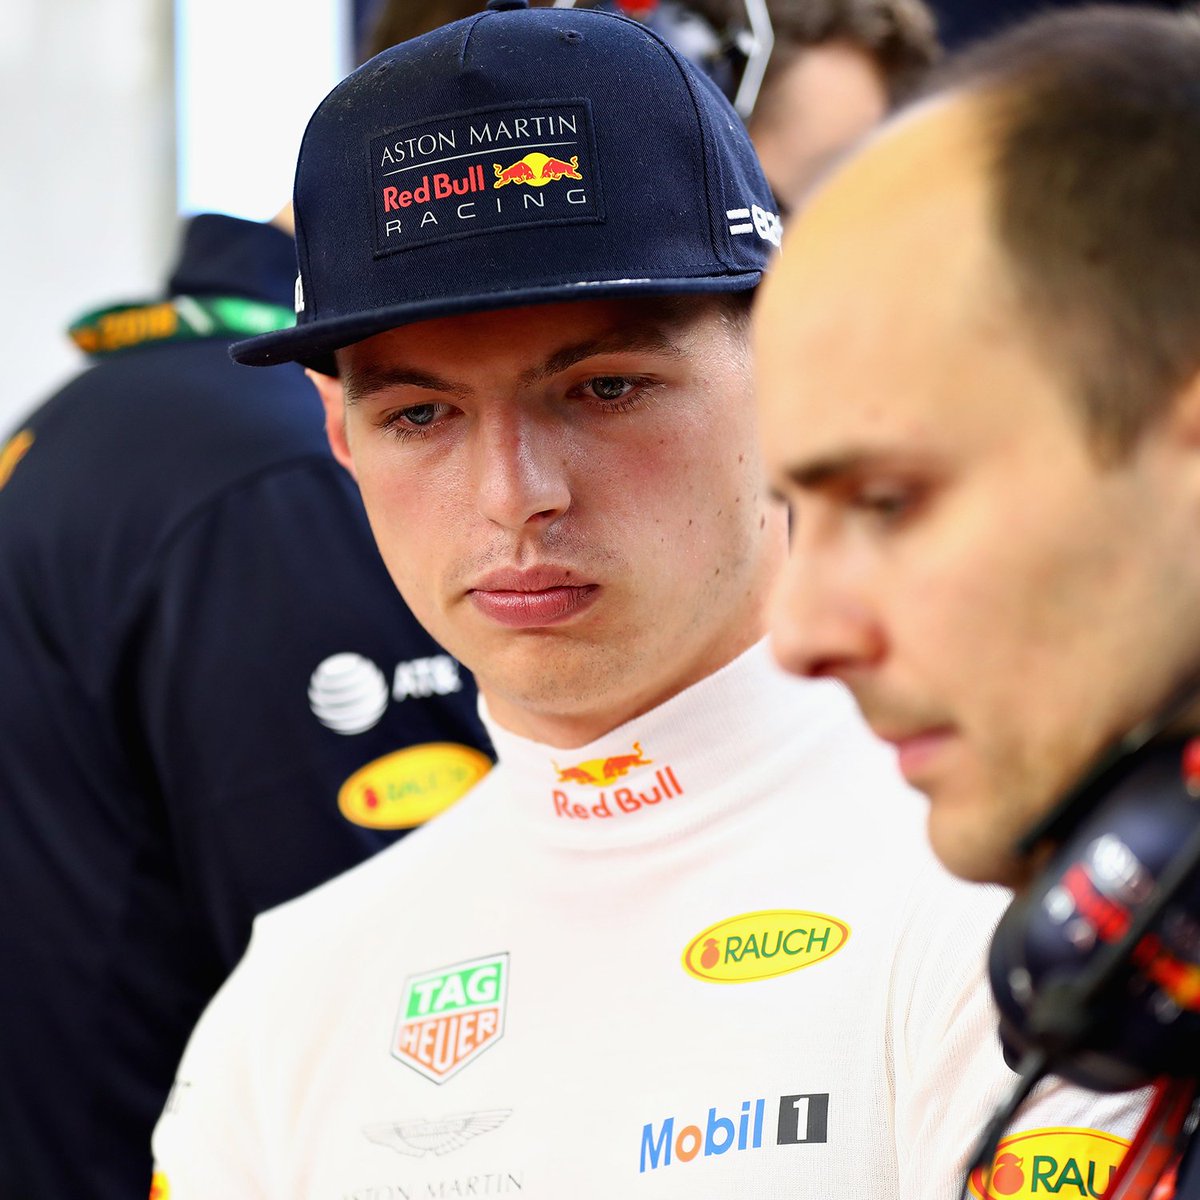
[179, 319]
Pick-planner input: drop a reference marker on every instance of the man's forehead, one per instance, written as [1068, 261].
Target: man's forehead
[537, 340]
[889, 296]
[892, 260]
[924, 166]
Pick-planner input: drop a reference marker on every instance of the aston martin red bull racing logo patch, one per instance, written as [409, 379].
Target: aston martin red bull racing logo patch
[1070, 1164]
[450, 1016]
[482, 171]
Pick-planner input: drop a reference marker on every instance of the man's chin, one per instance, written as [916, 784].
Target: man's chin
[966, 848]
[553, 677]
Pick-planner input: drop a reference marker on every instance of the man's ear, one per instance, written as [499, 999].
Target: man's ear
[333, 397]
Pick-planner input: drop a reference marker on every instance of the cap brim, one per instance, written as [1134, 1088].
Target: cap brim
[312, 344]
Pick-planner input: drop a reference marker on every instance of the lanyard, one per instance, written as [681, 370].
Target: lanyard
[179, 319]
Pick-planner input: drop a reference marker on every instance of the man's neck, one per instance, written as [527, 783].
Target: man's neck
[569, 730]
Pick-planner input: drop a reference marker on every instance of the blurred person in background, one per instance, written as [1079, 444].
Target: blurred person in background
[979, 382]
[212, 700]
[835, 69]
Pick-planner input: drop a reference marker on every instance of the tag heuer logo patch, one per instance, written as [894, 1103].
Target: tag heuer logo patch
[450, 1016]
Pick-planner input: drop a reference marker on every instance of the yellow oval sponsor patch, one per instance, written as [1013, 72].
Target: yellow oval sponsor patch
[160, 1189]
[13, 452]
[1070, 1164]
[410, 786]
[761, 945]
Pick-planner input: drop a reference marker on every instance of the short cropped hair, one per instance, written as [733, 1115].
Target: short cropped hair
[1093, 123]
[899, 36]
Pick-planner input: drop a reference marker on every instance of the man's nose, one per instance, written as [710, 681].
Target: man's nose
[821, 626]
[521, 471]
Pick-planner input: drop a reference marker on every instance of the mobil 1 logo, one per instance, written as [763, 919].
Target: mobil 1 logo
[802, 1120]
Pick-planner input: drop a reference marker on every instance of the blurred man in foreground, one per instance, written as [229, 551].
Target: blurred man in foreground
[979, 361]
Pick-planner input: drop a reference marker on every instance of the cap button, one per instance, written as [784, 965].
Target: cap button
[506, 5]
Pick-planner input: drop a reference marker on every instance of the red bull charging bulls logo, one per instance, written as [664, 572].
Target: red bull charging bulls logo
[537, 170]
[601, 773]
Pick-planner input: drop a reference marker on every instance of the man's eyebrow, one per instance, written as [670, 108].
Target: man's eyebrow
[643, 337]
[830, 469]
[365, 381]
[840, 468]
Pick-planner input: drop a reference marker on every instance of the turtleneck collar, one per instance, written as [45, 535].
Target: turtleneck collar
[718, 745]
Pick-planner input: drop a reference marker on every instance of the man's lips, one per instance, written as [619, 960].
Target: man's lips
[532, 597]
[916, 751]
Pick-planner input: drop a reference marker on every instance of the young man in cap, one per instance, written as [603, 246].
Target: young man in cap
[995, 473]
[686, 938]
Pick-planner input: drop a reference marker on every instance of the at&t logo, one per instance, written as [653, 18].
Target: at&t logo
[349, 693]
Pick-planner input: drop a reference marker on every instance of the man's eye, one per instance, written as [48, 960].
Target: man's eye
[610, 387]
[886, 503]
[420, 414]
[415, 421]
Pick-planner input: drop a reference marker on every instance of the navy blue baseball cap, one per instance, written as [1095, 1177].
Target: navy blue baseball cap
[520, 156]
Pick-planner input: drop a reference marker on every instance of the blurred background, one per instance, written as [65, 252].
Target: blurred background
[119, 116]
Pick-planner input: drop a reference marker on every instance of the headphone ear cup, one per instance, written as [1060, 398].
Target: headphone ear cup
[1145, 1021]
[1011, 982]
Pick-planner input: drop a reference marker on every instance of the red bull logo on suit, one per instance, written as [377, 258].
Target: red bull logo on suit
[603, 772]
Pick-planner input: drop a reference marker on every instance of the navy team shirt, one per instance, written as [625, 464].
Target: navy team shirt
[212, 698]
